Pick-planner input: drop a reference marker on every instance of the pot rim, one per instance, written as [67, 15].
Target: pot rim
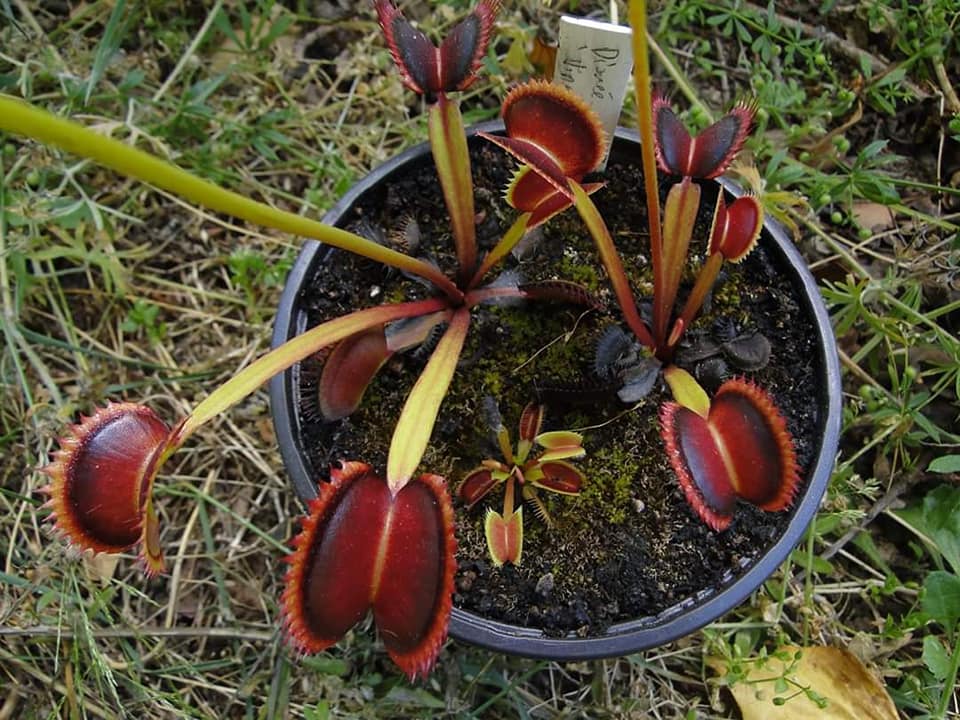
[630, 636]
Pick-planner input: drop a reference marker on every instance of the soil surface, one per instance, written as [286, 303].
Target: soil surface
[628, 546]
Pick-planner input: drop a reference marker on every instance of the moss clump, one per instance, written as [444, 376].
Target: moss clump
[573, 268]
[396, 294]
[560, 337]
[611, 481]
[491, 379]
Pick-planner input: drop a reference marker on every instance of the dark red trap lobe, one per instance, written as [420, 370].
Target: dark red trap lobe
[362, 548]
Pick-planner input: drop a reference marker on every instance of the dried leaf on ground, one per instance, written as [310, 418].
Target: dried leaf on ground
[873, 216]
[832, 675]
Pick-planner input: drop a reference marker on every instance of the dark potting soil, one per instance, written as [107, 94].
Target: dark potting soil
[628, 546]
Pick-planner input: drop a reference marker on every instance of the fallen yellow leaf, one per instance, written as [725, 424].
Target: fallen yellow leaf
[848, 689]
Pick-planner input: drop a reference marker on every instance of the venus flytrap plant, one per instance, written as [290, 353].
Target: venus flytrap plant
[434, 72]
[738, 445]
[734, 230]
[369, 543]
[384, 542]
[548, 470]
[715, 465]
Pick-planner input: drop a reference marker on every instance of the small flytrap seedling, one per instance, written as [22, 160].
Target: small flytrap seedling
[376, 543]
[548, 471]
[737, 446]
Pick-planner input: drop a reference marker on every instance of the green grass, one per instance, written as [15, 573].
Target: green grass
[111, 290]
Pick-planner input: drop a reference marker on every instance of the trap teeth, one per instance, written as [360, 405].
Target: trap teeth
[101, 479]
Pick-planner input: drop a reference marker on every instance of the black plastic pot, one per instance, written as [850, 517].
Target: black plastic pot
[624, 638]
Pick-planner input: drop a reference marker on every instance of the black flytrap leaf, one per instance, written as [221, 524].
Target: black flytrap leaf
[616, 350]
[695, 348]
[406, 238]
[749, 351]
[491, 414]
[746, 350]
[639, 379]
[618, 358]
[712, 373]
[589, 391]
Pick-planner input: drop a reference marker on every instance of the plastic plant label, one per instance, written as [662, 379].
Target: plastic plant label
[594, 60]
